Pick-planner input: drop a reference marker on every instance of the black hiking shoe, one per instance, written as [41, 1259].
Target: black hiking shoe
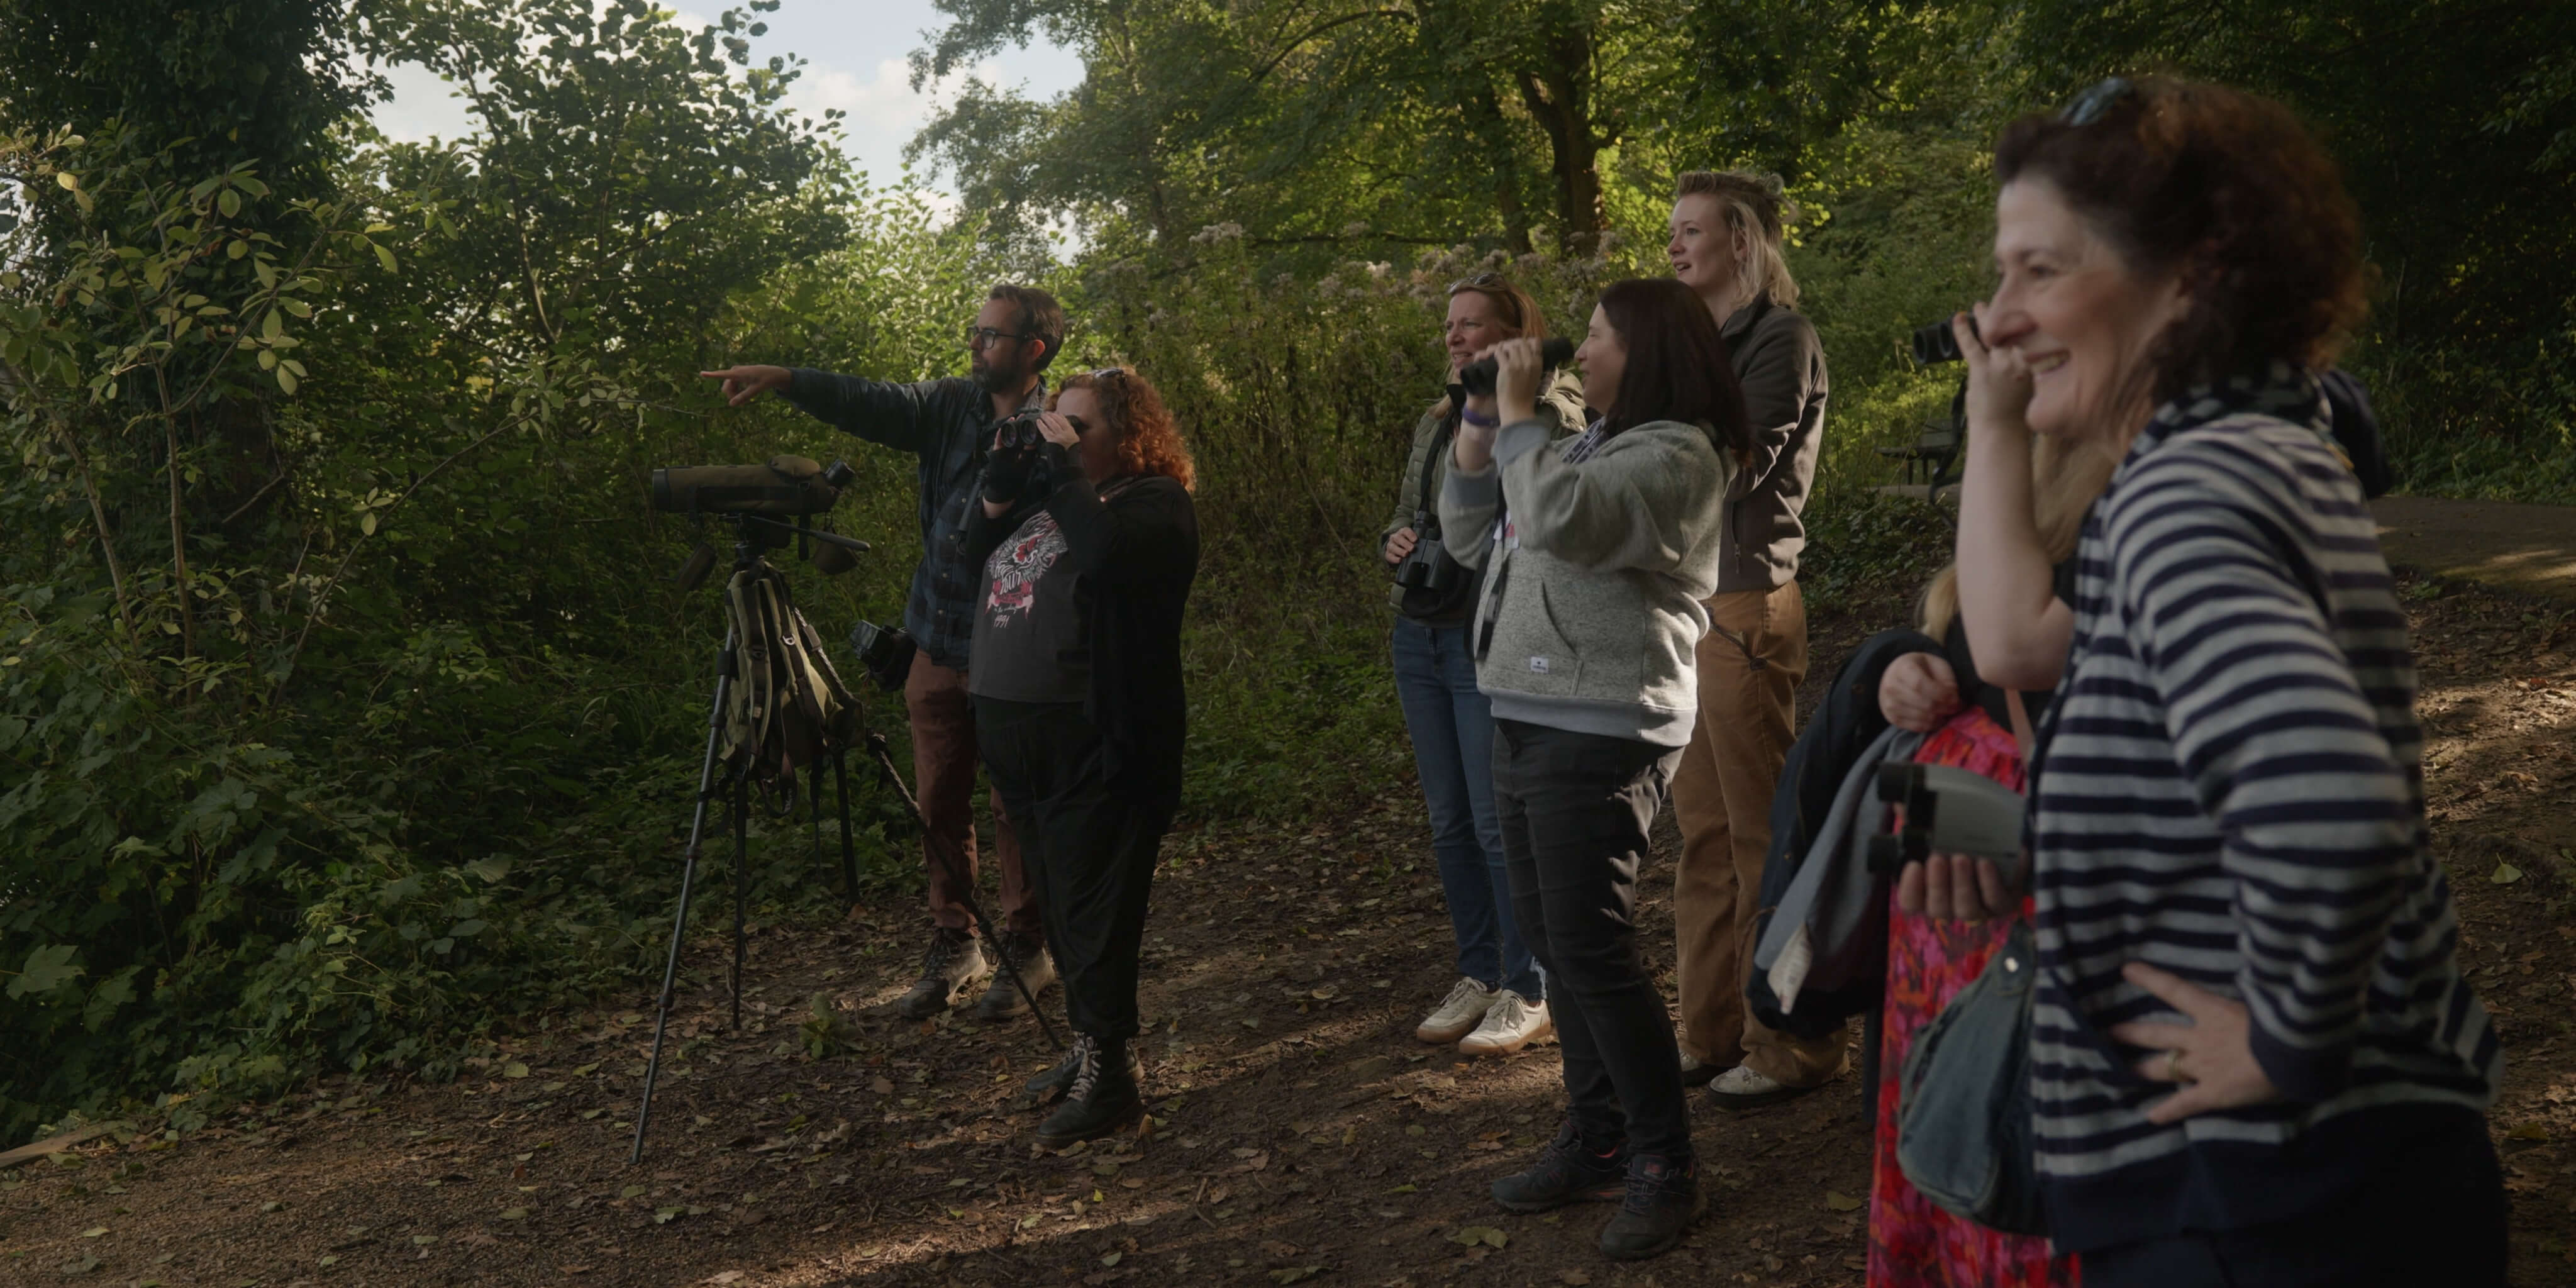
[1028, 955]
[1052, 1085]
[1567, 1171]
[1663, 1198]
[1102, 1098]
[955, 959]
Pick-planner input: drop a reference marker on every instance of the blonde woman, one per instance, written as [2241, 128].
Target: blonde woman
[1726, 246]
[1983, 723]
[1499, 1003]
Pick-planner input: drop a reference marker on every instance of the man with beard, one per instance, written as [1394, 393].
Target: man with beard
[948, 423]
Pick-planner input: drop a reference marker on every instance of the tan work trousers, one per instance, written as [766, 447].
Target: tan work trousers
[1750, 663]
[943, 771]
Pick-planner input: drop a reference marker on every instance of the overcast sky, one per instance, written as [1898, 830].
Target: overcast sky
[854, 60]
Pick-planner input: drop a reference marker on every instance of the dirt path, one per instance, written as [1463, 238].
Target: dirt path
[1300, 1134]
[2528, 549]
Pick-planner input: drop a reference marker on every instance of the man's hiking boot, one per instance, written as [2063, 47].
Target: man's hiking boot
[1663, 1198]
[1051, 1086]
[1568, 1170]
[1102, 1098]
[955, 960]
[1001, 999]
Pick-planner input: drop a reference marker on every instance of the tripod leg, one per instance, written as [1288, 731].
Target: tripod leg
[688, 882]
[965, 889]
[742, 790]
[841, 797]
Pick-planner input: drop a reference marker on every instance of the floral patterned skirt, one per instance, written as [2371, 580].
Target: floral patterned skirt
[1913, 1244]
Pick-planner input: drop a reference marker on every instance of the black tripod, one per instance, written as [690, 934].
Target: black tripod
[753, 534]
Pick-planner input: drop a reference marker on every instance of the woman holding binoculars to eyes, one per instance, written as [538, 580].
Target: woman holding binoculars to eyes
[1498, 1004]
[1598, 551]
[1088, 544]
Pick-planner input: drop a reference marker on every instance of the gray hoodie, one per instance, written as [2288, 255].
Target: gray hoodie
[1591, 605]
[1560, 404]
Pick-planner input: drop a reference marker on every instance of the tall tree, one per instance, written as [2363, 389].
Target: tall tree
[207, 84]
[1402, 121]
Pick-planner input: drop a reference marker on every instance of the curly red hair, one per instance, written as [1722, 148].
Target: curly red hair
[1148, 440]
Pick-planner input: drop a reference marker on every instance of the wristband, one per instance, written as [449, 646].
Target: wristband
[1468, 414]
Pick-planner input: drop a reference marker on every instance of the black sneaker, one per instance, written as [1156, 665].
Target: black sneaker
[955, 959]
[1103, 1097]
[1663, 1198]
[1051, 1086]
[1567, 1171]
[1028, 955]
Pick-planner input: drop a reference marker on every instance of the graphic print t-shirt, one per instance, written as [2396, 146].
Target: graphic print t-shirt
[1029, 644]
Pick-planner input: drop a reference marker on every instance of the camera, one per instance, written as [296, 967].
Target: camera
[885, 652]
[1478, 377]
[1936, 343]
[1427, 567]
[786, 486]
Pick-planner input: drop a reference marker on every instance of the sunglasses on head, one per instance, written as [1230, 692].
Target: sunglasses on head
[2095, 103]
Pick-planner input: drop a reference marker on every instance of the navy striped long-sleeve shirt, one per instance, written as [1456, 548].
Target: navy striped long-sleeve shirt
[2231, 790]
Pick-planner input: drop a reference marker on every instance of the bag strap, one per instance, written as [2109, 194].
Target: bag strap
[1440, 439]
[2022, 732]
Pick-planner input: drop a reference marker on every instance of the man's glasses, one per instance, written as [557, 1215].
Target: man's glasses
[984, 337]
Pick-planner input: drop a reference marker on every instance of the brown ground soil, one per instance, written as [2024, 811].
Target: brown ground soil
[1299, 1132]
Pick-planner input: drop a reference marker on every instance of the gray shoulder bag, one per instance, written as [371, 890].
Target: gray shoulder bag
[1963, 1129]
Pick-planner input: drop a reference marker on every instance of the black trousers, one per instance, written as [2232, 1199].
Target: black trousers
[1089, 843]
[2434, 1213]
[1575, 809]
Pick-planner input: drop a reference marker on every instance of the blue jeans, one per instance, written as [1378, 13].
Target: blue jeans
[1453, 749]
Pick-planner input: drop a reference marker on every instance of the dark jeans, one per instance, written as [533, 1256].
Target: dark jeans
[2434, 1213]
[1575, 808]
[1452, 726]
[1089, 842]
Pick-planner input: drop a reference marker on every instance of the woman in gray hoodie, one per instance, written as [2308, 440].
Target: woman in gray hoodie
[1598, 551]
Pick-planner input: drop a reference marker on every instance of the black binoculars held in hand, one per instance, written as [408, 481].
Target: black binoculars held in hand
[1478, 377]
[1936, 343]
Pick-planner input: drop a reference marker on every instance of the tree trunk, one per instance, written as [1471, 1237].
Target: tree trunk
[1558, 92]
[1485, 118]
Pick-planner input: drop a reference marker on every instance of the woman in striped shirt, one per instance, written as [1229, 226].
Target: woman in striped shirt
[2253, 1057]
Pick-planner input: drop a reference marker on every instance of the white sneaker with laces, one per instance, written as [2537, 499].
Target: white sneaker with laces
[1457, 1014]
[1511, 1023]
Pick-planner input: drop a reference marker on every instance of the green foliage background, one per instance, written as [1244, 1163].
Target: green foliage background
[344, 708]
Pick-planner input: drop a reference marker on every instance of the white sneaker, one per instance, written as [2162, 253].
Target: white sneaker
[1457, 1014]
[1511, 1023]
[1741, 1088]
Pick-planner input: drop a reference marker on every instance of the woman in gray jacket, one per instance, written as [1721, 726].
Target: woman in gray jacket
[1598, 551]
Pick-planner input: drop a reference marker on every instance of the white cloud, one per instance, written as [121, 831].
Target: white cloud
[422, 107]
